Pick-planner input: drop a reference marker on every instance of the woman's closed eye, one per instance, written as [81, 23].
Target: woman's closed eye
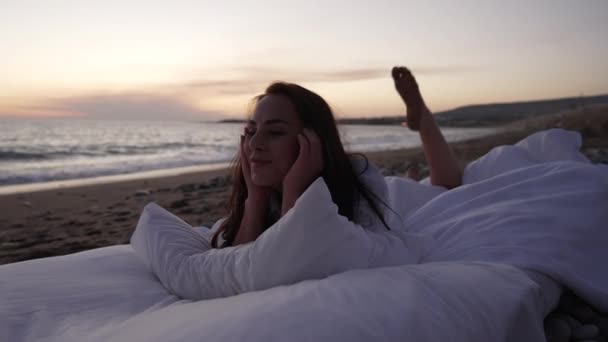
[276, 133]
[249, 132]
[271, 133]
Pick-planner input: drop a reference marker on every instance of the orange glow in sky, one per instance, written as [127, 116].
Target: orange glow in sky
[205, 60]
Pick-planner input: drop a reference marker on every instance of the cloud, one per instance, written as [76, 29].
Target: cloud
[445, 70]
[147, 106]
[174, 101]
[253, 79]
[310, 76]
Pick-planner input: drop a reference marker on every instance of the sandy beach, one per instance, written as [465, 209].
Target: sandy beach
[72, 219]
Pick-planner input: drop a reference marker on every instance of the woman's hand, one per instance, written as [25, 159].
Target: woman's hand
[255, 193]
[307, 167]
[256, 204]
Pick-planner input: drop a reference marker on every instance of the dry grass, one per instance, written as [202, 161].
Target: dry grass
[591, 122]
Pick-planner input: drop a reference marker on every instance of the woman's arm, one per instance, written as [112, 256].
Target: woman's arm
[443, 166]
[307, 167]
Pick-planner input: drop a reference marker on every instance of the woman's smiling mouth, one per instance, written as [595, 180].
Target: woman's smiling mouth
[258, 162]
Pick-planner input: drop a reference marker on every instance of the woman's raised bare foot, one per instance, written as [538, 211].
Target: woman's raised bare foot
[407, 87]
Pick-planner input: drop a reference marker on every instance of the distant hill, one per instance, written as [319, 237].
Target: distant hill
[484, 115]
[502, 113]
[495, 114]
[232, 121]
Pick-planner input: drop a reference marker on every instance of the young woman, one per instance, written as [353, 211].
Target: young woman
[292, 138]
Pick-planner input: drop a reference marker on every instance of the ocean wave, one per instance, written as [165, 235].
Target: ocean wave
[59, 152]
[86, 170]
[12, 155]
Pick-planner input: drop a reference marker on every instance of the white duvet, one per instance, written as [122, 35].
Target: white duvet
[481, 262]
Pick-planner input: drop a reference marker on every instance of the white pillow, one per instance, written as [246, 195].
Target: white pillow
[541, 147]
[311, 241]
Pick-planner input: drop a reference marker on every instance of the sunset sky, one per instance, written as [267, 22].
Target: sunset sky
[199, 60]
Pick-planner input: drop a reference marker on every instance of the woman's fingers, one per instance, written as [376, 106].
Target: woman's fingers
[315, 142]
[304, 147]
[315, 153]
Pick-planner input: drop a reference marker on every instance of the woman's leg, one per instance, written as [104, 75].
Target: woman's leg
[443, 166]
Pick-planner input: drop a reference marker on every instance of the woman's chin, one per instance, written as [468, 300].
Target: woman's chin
[266, 182]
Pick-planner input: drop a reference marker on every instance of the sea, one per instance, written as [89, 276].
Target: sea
[35, 151]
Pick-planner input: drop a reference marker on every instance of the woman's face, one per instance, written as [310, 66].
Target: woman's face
[271, 140]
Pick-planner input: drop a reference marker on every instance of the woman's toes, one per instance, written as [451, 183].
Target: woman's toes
[395, 73]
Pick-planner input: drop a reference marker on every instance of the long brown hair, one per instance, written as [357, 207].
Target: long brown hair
[343, 182]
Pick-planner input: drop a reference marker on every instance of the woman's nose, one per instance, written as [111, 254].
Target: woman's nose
[255, 142]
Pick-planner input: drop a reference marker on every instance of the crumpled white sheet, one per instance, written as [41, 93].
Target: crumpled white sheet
[491, 219]
[309, 242]
[539, 205]
[106, 295]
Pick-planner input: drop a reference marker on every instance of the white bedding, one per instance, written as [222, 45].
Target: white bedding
[526, 205]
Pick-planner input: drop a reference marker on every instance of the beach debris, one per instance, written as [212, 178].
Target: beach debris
[141, 193]
[574, 306]
[585, 322]
[602, 324]
[585, 332]
[223, 181]
[413, 171]
[572, 322]
[215, 182]
[187, 210]
[53, 218]
[582, 313]
[27, 204]
[179, 204]
[187, 187]
[557, 330]
[46, 213]
[597, 155]
[203, 186]
[9, 245]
